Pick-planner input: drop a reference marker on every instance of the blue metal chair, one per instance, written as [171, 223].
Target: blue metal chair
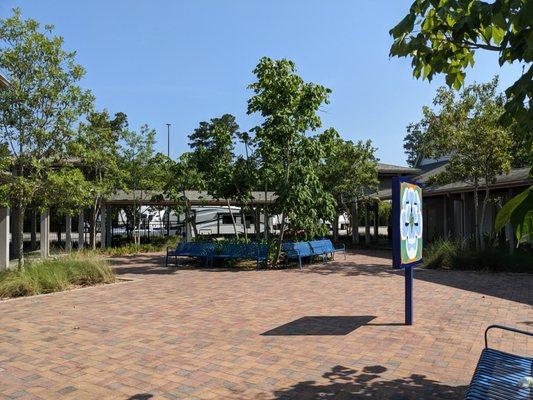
[498, 374]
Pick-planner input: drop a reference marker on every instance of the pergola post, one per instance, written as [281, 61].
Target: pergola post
[15, 242]
[68, 233]
[33, 230]
[103, 226]
[4, 238]
[45, 234]
[376, 222]
[81, 230]
[367, 225]
[355, 222]
[463, 215]
[445, 217]
[108, 225]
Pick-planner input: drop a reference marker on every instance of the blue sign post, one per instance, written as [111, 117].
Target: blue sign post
[407, 224]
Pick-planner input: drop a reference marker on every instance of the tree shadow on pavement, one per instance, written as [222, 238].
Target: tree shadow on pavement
[346, 383]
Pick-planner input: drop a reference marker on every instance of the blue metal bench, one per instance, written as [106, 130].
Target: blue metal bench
[299, 250]
[498, 373]
[191, 249]
[325, 246]
[244, 251]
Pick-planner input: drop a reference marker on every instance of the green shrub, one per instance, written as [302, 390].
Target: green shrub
[54, 275]
[462, 255]
[156, 244]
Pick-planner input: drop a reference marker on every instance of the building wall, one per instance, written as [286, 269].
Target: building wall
[453, 215]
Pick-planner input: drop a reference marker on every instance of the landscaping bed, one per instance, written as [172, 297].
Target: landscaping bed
[55, 275]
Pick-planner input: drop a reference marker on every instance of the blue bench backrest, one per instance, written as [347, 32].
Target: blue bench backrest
[196, 249]
[302, 249]
[262, 251]
[244, 250]
[233, 250]
[321, 246]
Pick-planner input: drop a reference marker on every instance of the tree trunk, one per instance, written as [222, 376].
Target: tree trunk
[336, 228]
[277, 254]
[193, 224]
[243, 219]
[265, 215]
[476, 215]
[92, 228]
[138, 221]
[257, 223]
[482, 217]
[232, 219]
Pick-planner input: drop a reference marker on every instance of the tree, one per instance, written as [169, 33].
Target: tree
[182, 175]
[213, 154]
[348, 172]
[142, 168]
[37, 110]
[443, 36]
[67, 191]
[288, 157]
[467, 130]
[98, 147]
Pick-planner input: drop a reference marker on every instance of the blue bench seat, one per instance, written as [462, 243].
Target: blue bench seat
[498, 373]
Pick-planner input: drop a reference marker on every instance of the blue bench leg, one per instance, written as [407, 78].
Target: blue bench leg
[300, 262]
[166, 261]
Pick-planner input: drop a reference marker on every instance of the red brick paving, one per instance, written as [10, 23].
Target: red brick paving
[206, 334]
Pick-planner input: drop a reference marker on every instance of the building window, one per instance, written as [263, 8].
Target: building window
[226, 219]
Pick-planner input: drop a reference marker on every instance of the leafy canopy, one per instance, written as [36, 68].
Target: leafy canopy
[348, 170]
[465, 128]
[441, 36]
[39, 107]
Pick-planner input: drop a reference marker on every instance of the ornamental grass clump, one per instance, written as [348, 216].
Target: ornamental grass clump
[462, 255]
[54, 275]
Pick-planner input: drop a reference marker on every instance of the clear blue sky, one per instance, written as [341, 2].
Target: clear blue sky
[182, 62]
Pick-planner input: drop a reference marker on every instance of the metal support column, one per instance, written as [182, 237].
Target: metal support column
[409, 296]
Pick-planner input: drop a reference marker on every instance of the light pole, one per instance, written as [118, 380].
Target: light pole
[168, 155]
[168, 140]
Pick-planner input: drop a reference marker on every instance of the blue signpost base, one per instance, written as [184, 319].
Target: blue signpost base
[409, 295]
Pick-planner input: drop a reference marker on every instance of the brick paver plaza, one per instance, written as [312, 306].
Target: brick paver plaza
[330, 332]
